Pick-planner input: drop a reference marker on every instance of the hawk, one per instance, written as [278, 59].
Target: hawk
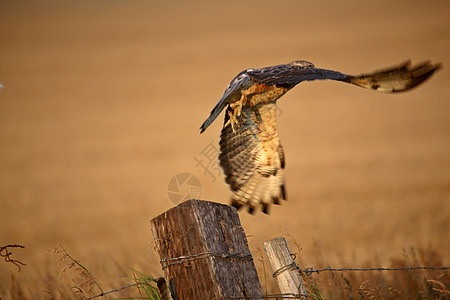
[251, 154]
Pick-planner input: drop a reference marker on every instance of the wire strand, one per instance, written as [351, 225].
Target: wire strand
[311, 270]
[187, 258]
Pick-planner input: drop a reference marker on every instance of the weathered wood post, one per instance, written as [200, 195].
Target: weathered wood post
[284, 267]
[204, 252]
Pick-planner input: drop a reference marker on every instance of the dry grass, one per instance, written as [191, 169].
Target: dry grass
[102, 104]
[76, 282]
[411, 284]
[83, 281]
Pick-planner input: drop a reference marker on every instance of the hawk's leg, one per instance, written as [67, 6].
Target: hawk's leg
[237, 110]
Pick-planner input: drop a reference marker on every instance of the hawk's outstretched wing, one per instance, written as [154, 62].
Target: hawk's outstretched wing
[251, 154]
[395, 79]
[252, 158]
[292, 73]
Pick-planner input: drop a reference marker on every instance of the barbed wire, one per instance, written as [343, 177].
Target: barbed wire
[7, 255]
[307, 271]
[292, 266]
[186, 258]
[268, 296]
[310, 270]
[119, 289]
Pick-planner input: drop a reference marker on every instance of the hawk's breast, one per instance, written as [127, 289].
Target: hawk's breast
[262, 93]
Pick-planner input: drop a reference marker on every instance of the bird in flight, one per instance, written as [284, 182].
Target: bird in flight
[251, 154]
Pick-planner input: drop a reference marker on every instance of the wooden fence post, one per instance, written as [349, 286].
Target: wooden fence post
[204, 252]
[284, 267]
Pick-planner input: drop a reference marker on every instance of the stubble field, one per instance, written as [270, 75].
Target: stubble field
[103, 101]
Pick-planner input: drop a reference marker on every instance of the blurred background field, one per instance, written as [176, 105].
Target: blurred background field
[103, 101]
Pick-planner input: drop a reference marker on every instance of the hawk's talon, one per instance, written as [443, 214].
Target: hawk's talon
[234, 115]
[237, 111]
[232, 121]
[237, 106]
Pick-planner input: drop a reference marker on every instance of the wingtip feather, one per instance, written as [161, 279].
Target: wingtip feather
[202, 129]
[402, 77]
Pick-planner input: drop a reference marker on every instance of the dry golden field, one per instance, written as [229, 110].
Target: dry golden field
[103, 101]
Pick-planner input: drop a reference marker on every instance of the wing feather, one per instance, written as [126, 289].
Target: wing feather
[252, 158]
[292, 74]
[390, 80]
[395, 79]
[231, 94]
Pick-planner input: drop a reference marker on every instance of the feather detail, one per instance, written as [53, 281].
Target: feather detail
[251, 155]
[251, 160]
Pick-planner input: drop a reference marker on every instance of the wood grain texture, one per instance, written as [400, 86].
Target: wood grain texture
[289, 280]
[197, 226]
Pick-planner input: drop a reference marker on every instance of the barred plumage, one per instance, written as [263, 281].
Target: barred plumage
[252, 157]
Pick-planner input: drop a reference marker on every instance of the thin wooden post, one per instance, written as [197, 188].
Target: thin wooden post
[204, 252]
[284, 267]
